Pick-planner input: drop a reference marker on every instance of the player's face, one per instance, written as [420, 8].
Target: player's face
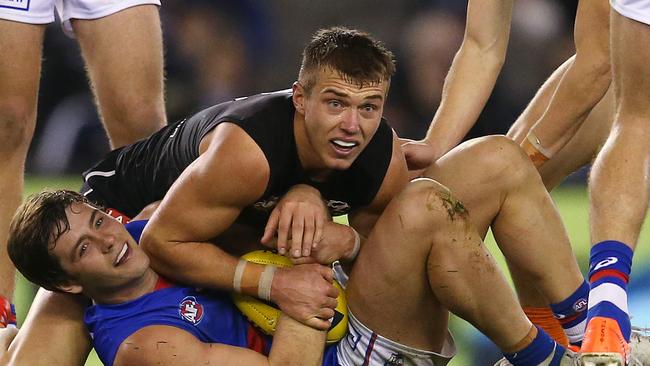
[340, 119]
[98, 252]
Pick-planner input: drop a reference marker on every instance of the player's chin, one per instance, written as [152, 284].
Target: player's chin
[340, 165]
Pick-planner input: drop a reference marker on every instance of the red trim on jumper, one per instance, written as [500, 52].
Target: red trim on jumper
[118, 215]
[162, 283]
[255, 340]
[609, 273]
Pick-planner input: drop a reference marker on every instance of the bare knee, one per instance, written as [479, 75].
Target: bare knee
[426, 205]
[130, 121]
[17, 120]
[499, 160]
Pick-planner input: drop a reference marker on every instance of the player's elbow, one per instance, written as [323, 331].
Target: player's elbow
[154, 245]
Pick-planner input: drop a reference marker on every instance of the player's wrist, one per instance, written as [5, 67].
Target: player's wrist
[535, 151]
[7, 313]
[355, 246]
[254, 279]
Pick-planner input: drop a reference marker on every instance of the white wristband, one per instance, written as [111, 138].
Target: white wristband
[239, 273]
[266, 280]
[357, 245]
[534, 140]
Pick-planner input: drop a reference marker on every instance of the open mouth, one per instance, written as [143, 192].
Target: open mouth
[343, 146]
[122, 256]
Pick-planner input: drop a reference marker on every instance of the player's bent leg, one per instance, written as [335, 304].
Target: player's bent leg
[536, 306]
[379, 277]
[425, 224]
[53, 333]
[123, 54]
[20, 47]
[498, 184]
[425, 252]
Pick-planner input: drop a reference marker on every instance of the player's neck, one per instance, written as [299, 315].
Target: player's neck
[130, 291]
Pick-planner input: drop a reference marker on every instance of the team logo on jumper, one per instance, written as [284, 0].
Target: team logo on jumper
[580, 305]
[15, 4]
[190, 310]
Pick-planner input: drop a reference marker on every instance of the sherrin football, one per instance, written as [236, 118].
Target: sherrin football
[265, 315]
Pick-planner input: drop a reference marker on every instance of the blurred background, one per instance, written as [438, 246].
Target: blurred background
[216, 50]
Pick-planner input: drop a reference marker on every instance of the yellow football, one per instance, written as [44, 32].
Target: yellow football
[265, 315]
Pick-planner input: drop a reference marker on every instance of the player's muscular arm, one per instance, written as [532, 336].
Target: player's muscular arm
[204, 202]
[293, 344]
[469, 82]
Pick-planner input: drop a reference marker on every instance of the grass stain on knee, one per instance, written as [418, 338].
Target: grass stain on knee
[454, 207]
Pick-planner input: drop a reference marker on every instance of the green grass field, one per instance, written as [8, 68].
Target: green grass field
[571, 201]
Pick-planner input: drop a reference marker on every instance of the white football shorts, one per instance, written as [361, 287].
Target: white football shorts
[42, 11]
[363, 347]
[638, 10]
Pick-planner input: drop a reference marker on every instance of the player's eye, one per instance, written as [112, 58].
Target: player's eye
[82, 249]
[335, 103]
[370, 108]
[99, 222]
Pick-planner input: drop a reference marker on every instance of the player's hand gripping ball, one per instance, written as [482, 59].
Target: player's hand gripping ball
[265, 315]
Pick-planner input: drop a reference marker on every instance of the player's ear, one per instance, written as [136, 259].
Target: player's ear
[71, 288]
[298, 97]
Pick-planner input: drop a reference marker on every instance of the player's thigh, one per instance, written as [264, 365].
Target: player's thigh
[123, 53]
[389, 290]
[630, 55]
[53, 333]
[20, 64]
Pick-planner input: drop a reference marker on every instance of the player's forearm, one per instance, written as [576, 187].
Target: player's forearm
[538, 105]
[467, 87]
[206, 265]
[582, 86]
[194, 263]
[296, 344]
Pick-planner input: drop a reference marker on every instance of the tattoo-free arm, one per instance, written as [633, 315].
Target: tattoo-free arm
[469, 81]
[159, 345]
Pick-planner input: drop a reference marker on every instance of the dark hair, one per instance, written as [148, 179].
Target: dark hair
[35, 228]
[359, 58]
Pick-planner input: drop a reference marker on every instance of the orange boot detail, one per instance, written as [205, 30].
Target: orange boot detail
[604, 344]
